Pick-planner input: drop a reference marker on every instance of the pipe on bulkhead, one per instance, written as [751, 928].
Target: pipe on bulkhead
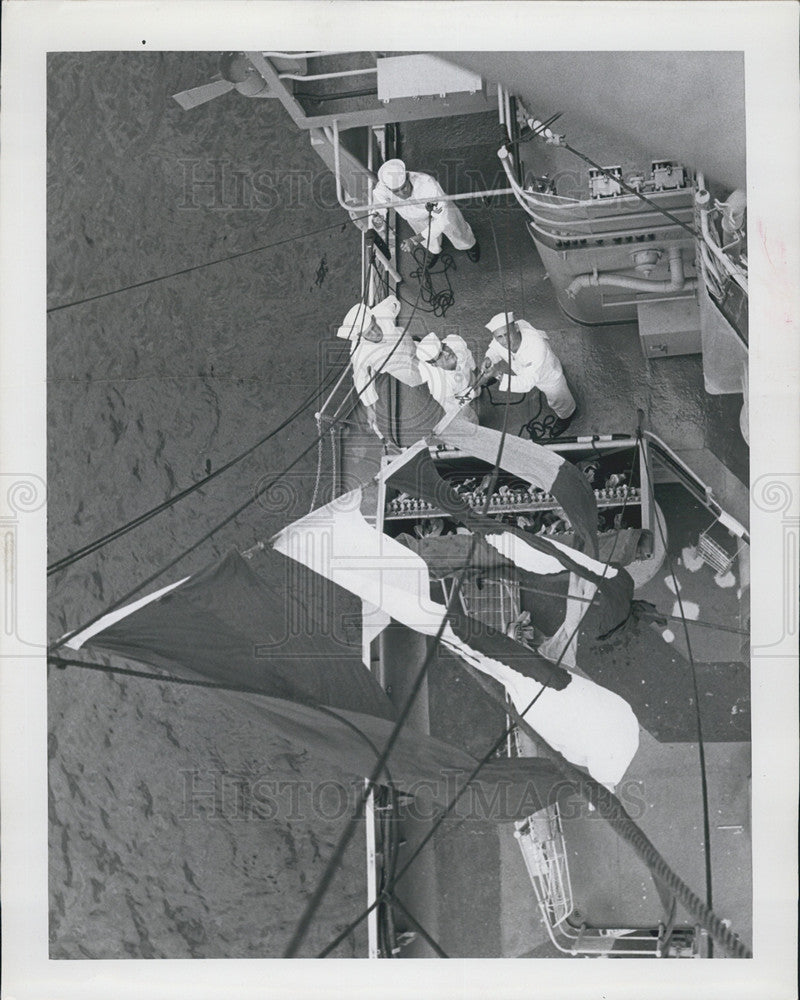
[678, 282]
[308, 55]
[327, 76]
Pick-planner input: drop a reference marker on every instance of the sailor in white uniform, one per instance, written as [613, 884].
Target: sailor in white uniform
[378, 346]
[533, 364]
[448, 367]
[396, 183]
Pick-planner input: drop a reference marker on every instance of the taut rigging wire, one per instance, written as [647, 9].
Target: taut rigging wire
[200, 267]
[347, 834]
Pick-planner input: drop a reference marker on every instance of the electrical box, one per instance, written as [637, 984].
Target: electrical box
[667, 176]
[603, 186]
[669, 327]
[423, 76]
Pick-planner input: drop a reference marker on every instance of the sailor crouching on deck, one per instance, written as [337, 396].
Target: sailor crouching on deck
[444, 219]
[533, 364]
[377, 347]
[448, 367]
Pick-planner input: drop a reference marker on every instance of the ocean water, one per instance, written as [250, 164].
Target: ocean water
[179, 827]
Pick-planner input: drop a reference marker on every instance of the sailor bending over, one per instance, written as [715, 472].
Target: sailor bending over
[378, 346]
[448, 367]
[533, 365]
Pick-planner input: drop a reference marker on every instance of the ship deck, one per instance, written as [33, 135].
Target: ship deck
[469, 888]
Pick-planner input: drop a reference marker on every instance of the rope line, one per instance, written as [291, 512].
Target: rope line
[440, 301]
[200, 267]
[62, 662]
[319, 465]
[538, 427]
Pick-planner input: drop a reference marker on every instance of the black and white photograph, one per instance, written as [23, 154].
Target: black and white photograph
[405, 443]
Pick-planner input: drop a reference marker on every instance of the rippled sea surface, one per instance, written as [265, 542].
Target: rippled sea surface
[179, 826]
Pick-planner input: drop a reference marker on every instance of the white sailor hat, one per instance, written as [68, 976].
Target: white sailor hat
[355, 322]
[499, 321]
[387, 308]
[392, 173]
[429, 348]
